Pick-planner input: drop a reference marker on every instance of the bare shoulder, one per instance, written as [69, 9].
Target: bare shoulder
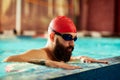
[35, 51]
[28, 55]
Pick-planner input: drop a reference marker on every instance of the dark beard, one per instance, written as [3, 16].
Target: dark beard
[62, 53]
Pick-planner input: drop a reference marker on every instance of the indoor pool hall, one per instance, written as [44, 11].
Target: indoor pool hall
[59, 39]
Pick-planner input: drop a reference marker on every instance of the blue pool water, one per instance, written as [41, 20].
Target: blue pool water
[93, 47]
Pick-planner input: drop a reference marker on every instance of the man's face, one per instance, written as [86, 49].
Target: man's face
[61, 52]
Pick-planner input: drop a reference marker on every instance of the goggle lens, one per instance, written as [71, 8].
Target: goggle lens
[68, 37]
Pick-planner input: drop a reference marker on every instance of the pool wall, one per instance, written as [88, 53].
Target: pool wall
[105, 73]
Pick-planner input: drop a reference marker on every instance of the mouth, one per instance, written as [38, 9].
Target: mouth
[70, 49]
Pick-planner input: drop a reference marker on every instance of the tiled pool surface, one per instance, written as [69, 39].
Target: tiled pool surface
[90, 71]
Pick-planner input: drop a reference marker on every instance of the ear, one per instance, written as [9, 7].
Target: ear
[52, 35]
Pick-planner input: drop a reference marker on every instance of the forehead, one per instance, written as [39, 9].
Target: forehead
[73, 34]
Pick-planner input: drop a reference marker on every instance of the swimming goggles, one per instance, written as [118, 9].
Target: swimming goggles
[67, 37]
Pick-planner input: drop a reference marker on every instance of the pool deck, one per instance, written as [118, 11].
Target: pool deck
[90, 71]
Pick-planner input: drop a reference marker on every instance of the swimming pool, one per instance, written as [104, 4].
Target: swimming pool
[94, 47]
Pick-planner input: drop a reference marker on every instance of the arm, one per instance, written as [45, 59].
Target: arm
[86, 59]
[54, 64]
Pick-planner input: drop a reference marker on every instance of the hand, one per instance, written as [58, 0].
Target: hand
[61, 65]
[86, 59]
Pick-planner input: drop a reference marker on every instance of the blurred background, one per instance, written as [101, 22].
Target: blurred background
[101, 16]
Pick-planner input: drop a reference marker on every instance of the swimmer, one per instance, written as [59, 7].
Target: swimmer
[62, 34]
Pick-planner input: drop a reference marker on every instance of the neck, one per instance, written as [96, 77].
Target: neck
[50, 53]
[49, 49]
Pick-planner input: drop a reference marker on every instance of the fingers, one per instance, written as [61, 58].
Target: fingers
[95, 61]
[85, 59]
[101, 61]
[90, 60]
[69, 67]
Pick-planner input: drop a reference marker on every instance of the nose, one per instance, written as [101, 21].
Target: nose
[71, 43]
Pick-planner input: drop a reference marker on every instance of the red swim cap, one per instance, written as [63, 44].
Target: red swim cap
[62, 24]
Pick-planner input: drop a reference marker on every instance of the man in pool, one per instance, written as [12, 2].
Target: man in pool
[61, 36]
